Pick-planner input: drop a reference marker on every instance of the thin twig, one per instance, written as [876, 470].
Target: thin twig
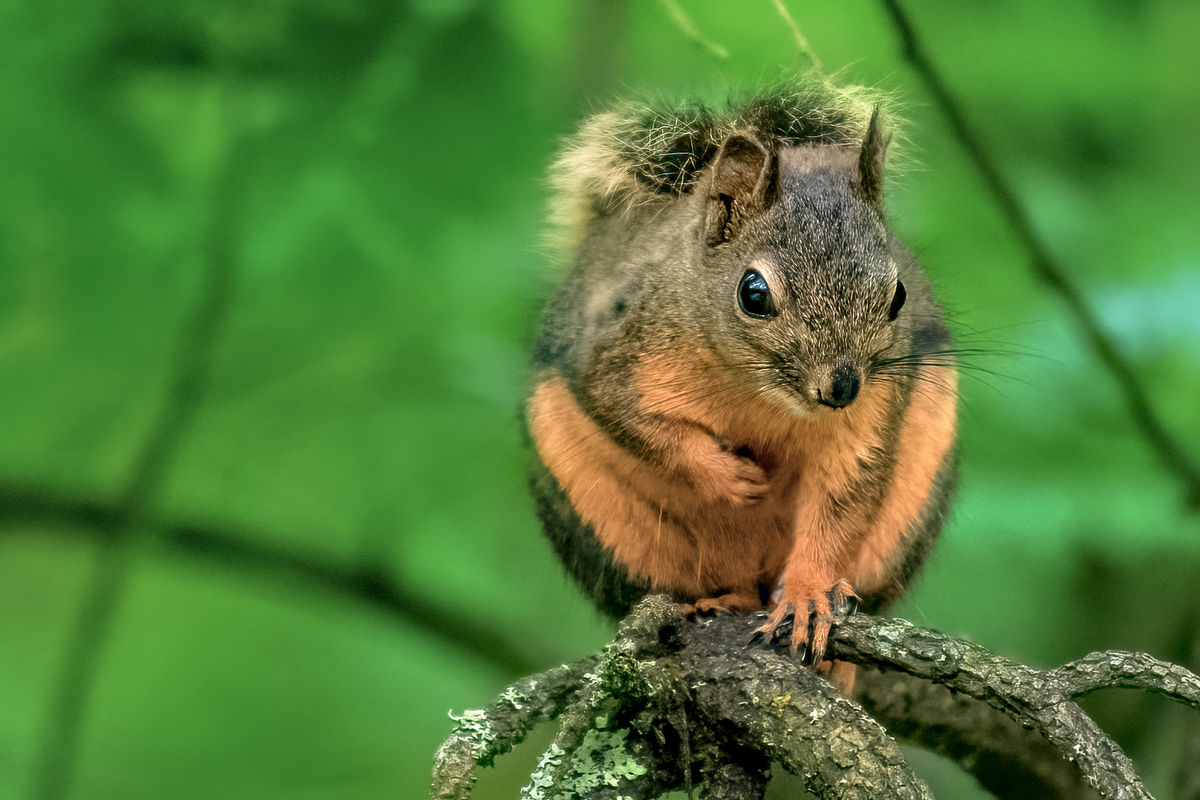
[481, 735]
[688, 27]
[801, 42]
[556, 763]
[54, 764]
[1044, 266]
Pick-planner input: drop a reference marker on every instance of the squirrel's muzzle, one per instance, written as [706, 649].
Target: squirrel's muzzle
[840, 388]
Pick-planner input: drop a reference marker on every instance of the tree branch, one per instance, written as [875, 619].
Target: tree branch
[1172, 456]
[1009, 760]
[1036, 698]
[480, 736]
[1127, 671]
[677, 704]
[793, 716]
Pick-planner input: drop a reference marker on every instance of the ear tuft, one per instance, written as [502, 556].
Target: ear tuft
[870, 161]
[743, 182]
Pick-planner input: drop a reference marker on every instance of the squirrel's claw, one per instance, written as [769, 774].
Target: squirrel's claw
[841, 604]
[808, 636]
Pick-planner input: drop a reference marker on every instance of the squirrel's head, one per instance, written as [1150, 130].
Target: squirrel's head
[805, 274]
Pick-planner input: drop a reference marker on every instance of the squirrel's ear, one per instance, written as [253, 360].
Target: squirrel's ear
[743, 180]
[870, 160]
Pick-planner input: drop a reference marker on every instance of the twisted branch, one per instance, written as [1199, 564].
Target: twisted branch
[1038, 699]
[480, 736]
[1008, 759]
[681, 705]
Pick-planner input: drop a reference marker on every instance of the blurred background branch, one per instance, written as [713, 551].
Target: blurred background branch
[251, 552]
[100, 603]
[802, 43]
[1173, 456]
[687, 26]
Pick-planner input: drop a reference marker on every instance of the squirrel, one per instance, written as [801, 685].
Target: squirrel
[743, 390]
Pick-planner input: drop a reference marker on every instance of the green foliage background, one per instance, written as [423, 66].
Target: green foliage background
[296, 245]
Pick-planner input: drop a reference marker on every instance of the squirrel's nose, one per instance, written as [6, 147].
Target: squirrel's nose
[841, 389]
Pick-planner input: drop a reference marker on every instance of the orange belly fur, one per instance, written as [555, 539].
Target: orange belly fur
[657, 526]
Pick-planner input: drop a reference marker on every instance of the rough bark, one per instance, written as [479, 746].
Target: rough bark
[679, 704]
[479, 736]
[1009, 760]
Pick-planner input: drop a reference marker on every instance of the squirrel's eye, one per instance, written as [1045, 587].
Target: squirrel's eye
[897, 301]
[754, 296]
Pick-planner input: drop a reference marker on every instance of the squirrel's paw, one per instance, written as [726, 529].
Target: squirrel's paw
[733, 477]
[804, 616]
[732, 602]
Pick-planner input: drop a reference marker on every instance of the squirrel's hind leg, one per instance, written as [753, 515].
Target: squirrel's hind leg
[743, 601]
[840, 673]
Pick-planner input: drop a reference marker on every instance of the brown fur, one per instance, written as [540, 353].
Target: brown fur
[742, 395]
[703, 527]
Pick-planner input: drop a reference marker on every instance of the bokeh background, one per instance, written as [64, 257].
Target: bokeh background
[269, 273]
